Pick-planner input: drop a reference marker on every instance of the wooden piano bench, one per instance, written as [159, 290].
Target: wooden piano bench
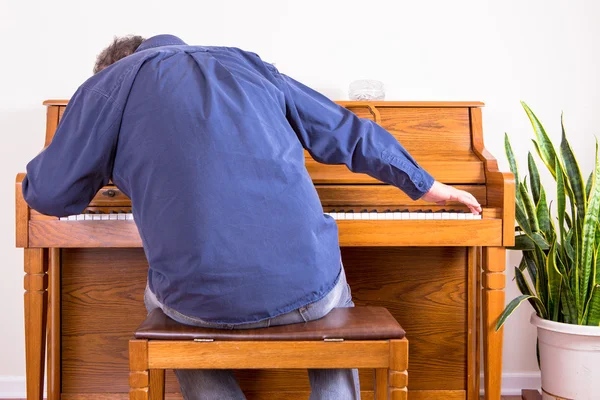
[358, 337]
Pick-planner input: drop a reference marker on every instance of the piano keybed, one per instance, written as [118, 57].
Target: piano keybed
[374, 215]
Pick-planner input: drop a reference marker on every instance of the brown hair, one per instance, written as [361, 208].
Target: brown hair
[121, 47]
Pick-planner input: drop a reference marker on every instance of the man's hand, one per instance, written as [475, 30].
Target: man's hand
[440, 194]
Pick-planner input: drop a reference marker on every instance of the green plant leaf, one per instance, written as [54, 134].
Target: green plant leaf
[530, 265]
[510, 155]
[594, 307]
[568, 303]
[527, 243]
[542, 213]
[534, 178]
[592, 311]
[589, 234]
[560, 200]
[516, 302]
[529, 209]
[569, 247]
[573, 173]
[521, 218]
[544, 144]
[541, 284]
[554, 282]
[523, 243]
[524, 287]
[588, 186]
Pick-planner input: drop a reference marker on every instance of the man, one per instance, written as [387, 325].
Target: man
[208, 144]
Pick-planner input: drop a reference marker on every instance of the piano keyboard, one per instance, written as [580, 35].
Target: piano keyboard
[337, 215]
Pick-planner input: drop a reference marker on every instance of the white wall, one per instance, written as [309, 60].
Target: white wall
[499, 52]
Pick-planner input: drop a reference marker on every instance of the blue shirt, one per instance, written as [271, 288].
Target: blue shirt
[208, 144]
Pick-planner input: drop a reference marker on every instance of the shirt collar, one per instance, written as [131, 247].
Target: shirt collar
[160, 40]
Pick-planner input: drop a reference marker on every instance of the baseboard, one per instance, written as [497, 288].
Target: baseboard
[13, 387]
[513, 383]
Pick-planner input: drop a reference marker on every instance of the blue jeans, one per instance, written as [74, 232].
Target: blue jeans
[326, 384]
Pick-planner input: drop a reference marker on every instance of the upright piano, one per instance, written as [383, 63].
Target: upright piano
[438, 269]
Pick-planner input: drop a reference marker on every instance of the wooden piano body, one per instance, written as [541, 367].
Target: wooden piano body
[90, 274]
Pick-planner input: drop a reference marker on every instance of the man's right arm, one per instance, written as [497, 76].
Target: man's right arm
[334, 135]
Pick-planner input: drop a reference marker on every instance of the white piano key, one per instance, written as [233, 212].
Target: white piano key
[373, 216]
[341, 215]
[129, 216]
[64, 218]
[413, 215]
[380, 215]
[72, 217]
[445, 215]
[80, 217]
[469, 216]
[428, 215]
[112, 217]
[96, 217]
[87, 217]
[453, 216]
[350, 216]
[477, 216]
[405, 215]
[397, 215]
[389, 215]
[364, 215]
[121, 216]
[437, 216]
[462, 216]
[420, 215]
[105, 217]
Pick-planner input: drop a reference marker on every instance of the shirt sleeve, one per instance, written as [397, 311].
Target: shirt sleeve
[65, 176]
[334, 135]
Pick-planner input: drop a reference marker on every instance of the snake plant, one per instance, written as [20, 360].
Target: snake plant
[559, 273]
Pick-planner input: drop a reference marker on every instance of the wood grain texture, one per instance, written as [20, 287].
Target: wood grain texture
[485, 232]
[264, 355]
[52, 118]
[494, 261]
[383, 233]
[21, 214]
[53, 375]
[380, 381]
[80, 234]
[460, 172]
[473, 370]
[383, 195]
[501, 185]
[157, 384]
[36, 302]
[101, 310]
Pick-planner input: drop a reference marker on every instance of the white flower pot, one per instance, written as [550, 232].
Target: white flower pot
[570, 360]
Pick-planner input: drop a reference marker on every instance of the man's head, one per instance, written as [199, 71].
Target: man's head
[121, 47]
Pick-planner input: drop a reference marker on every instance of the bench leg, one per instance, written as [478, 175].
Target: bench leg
[398, 375]
[381, 383]
[157, 384]
[138, 370]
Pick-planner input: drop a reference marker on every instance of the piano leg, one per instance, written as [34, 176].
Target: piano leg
[53, 350]
[36, 301]
[494, 264]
